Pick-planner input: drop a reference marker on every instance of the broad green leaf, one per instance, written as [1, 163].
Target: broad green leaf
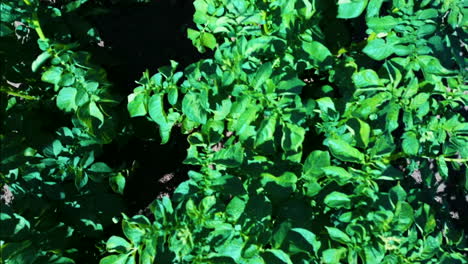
[66, 99]
[208, 40]
[351, 8]
[338, 200]
[361, 131]
[287, 179]
[191, 106]
[338, 235]
[81, 179]
[67, 79]
[378, 49]
[133, 231]
[419, 100]
[115, 259]
[310, 237]
[314, 163]
[266, 130]
[370, 105]
[404, 216]
[316, 50]
[442, 167]
[293, 137]
[280, 233]
[96, 112]
[156, 110]
[410, 143]
[373, 255]
[235, 208]
[281, 255]
[333, 256]
[41, 59]
[393, 112]
[366, 79]
[230, 157]
[60, 260]
[100, 167]
[52, 75]
[137, 105]
[397, 194]
[117, 183]
[343, 151]
[382, 24]
[338, 174]
[5, 30]
[263, 73]
[223, 110]
[165, 129]
[172, 95]
[373, 8]
[118, 244]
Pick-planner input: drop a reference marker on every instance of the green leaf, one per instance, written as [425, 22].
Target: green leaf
[366, 79]
[208, 40]
[81, 179]
[343, 151]
[410, 143]
[316, 50]
[373, 8]
[393, 112]
[117, 183]
[419, 100]
[442, 167]
[172, 95]
[382, 24]
[397, 194]
[191, 106]
[5, 30]
[100, 167]
[94, 111]
[378, 49]
[404, 216]
[137, 105]
[338, 235]
[337, 200]
[361, 131]
[235, 208]
[373, 255]
[338, 174]
[263, 73]
[52, 75]
[230, 157]
[60, 260]
[266, 130]
[351, 8]
[156, 110]
[118, 244]
[41, 59]
[333, 256]
[133, 231]
[310, 237]
[66, 99]
[115, 259]
[314, 163]
[293, 137]
[370, 105]
[281, 255]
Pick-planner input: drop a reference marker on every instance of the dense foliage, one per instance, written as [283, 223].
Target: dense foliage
[319, 132]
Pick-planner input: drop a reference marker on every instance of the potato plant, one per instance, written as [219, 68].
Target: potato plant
[319, 132]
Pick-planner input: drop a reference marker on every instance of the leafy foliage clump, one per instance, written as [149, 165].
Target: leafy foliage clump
[318, 131]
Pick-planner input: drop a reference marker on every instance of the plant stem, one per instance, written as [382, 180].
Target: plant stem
[17, 94]
[35, 22]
